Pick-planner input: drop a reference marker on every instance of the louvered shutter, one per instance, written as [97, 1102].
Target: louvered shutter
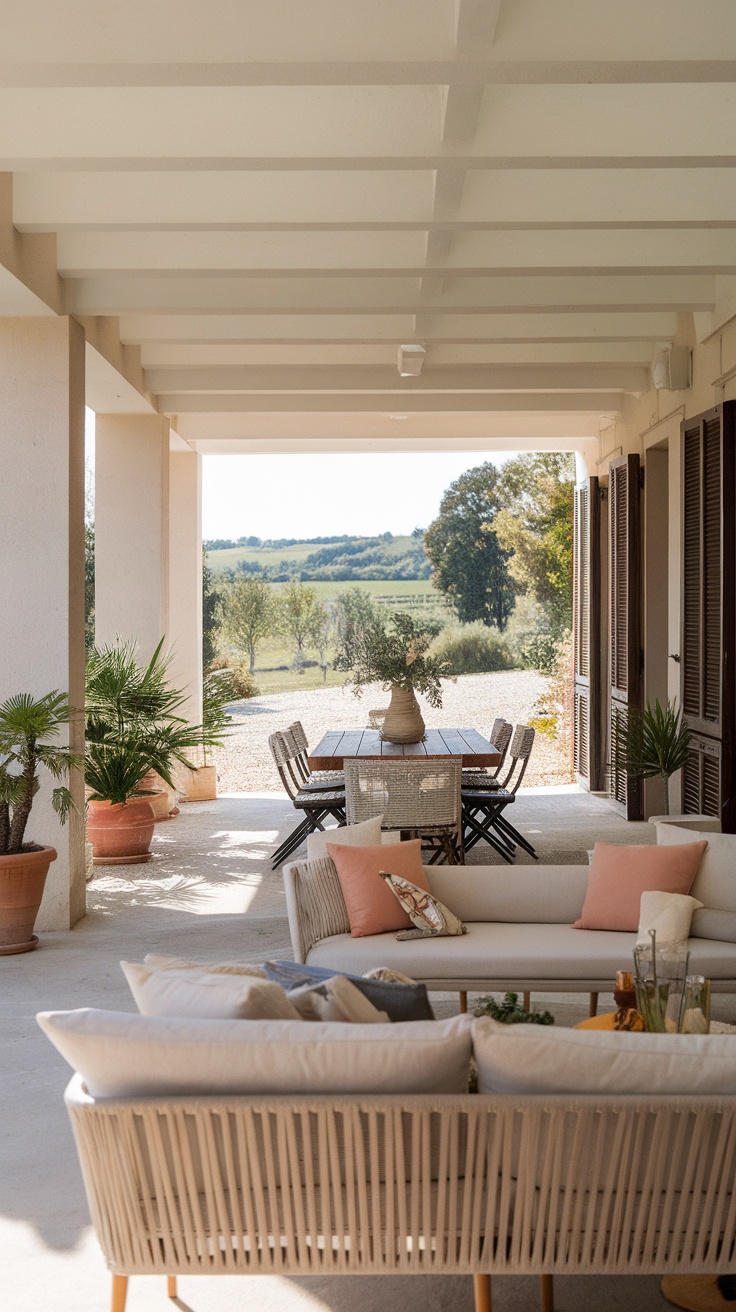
[586, 628]
[708, 590]
[625, 650]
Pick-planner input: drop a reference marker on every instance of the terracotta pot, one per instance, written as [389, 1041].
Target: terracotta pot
[198, 785]
[22, 880]
[403, 722]
[120, 832]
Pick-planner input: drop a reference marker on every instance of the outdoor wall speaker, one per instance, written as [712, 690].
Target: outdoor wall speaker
[672, 368]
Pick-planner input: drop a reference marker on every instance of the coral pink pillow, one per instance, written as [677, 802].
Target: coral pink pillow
[620, 874]
[372, 907]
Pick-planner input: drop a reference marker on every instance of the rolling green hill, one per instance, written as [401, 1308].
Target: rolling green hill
[378, 559]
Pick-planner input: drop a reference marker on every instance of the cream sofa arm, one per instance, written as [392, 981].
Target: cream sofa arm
[292, 910]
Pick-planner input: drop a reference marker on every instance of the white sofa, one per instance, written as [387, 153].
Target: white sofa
[519, 922]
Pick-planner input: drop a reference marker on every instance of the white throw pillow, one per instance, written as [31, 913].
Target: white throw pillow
[197, 995]
[668, 914]
[209, 968]
[121, 1055]
[541, 1059]
[366, 834]
[336, 999]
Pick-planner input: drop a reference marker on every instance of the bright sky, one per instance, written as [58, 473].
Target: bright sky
[301, 496]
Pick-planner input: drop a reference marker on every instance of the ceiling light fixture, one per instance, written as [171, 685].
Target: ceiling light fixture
[411, 359]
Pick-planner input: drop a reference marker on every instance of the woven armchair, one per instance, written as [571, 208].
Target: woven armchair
[420, 796]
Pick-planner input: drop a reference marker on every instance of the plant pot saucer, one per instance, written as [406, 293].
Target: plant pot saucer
[9, 949]
[122, 860]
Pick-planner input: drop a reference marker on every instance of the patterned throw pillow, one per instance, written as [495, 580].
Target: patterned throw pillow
[431, 918]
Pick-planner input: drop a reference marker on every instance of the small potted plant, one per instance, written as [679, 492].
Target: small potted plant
[219, 688]
[26, 725]
[654, 744]
[395, 655]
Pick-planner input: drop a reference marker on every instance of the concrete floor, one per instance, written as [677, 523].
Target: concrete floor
[210, 894]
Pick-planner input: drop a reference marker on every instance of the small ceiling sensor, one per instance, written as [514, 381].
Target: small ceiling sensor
[411, 359]
[398, 416]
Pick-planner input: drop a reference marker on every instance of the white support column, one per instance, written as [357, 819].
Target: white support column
[42, 579]
[184, 636]
[132, 529]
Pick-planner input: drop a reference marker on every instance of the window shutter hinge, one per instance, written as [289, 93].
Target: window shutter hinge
[603, 493]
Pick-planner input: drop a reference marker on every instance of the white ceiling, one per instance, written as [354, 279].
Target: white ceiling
[272, 195]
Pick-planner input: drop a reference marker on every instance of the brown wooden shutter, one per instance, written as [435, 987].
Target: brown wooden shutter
[586, 631]
[625, 636]
[708, 609]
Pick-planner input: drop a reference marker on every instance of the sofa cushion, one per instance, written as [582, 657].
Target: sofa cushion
[719, 925]
[620, 873]
[365, 834]
[404, 1001]
[209, 967]
[551, 895]
[430, 917]
[372, 907]
[715, 883]
[336, 999]
[196, 994]
[509, 953]
[120, 1054]
[668, 914]
[531, 1059]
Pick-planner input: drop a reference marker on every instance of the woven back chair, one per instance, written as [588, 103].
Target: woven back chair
[483, 809]
[315, 802]
[313, 778]
[420, 796]
[500, 737]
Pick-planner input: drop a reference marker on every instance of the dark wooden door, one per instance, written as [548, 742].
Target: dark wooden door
[587, 755]
[708, 593]
[625, 656]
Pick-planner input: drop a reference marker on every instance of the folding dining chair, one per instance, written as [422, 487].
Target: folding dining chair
[419, 796]
[483, 808]
[317, 804]
[483, 776]
[313, 779]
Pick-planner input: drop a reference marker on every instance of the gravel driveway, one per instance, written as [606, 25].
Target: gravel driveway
[474, 701]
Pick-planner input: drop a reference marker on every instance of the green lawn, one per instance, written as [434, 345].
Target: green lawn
[229, 557]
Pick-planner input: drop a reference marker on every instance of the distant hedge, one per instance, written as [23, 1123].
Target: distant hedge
[473, 649]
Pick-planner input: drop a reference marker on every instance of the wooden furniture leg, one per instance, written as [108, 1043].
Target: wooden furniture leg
[593, 1010]
[119, 1293]
[482, 1290]
[171, 1286]
[547, 1293]
[527, 1001]
[463, 1003]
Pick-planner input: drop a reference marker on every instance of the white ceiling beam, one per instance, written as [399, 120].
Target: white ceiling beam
[558, 327]
[181, 200]
[177, 403]
[387, 295]
[188, 355]
[362, 379]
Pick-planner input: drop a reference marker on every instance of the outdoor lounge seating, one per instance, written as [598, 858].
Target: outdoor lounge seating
[454, 1183]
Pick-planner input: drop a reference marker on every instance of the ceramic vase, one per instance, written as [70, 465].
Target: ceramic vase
[403, 722]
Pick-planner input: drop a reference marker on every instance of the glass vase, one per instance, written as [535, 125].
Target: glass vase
[659, 978]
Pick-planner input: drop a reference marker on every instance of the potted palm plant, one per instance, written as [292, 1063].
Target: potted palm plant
[654, 743]
[26, 725]
[134, 733]
[394, 654]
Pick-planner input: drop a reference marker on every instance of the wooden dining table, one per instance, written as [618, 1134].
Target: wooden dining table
[337, 745]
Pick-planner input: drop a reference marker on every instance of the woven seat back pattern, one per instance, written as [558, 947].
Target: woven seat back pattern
[410, 793]
[425, 1183]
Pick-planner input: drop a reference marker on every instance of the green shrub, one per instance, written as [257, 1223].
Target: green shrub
[540, 652]
[472, 649]
[241, 680]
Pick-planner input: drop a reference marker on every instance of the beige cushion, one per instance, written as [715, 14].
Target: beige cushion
[715, 883]
[510, 952]
[336, 999]
[120, 1054]
[366, 834]
[536, 1059]
[223, 968]
[517, 894]
[720, 925]
[668, 914]
[195, 994]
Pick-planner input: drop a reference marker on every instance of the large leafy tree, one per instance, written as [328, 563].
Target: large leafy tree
[468, 562]
[249, 614]
[535, 528]
[210, 609]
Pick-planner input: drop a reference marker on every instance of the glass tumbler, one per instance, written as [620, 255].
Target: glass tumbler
[659, 977]
[695, 1017]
